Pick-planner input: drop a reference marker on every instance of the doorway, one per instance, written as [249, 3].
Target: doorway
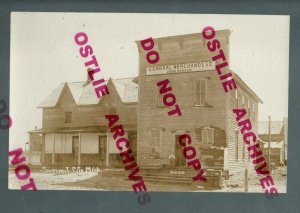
[102, 148]
[179, 157]
[75, 148]
[133, 142]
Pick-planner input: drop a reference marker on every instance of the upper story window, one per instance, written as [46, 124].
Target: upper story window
[244, 152]
[200, 92]
[243, 99]
[208, 136]
[237, 98]
[113, 110]
[249, 113]
[68, 117]
[154, 141]
[236, 145]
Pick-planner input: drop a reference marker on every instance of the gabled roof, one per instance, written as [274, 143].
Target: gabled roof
[127, 89]
[76, 91]
[84, 94]
[52, 99]
[276, 127]
[88, 96]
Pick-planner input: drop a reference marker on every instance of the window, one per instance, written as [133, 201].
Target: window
[154, 140]
[243, 99]
[254, 113]
[200, 92]
[249, 114]
[208, 136]
[236, 145]
[237, 99]
[249, 110]
[68, 117]
[243, 151]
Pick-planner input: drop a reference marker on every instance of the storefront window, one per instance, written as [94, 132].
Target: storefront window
[208, 136]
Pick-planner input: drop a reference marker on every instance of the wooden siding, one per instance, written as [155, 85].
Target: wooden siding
[35, 142]
[236, 166]
[89, 115]
[193, 117]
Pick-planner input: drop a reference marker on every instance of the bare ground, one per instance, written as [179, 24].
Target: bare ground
[97, 181]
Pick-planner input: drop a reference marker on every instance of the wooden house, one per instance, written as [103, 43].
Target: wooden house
[74, 129]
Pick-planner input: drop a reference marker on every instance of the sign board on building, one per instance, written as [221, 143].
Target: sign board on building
[180, 68]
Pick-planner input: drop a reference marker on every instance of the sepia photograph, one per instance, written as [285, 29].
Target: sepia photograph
[149, 102]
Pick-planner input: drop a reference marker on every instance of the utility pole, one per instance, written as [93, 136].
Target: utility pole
[246, 179]
[285, 131]
[269, 143]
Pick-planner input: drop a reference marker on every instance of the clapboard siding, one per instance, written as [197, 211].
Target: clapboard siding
[193, 118]
[89, 115]
[238, 165]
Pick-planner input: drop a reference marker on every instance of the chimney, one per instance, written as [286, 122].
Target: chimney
[88, 80]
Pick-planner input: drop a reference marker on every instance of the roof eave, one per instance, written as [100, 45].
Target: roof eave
[245, 86]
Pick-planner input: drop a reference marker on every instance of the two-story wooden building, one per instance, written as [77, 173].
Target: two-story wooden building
[74, 128]
[75, 131]
[206, 109]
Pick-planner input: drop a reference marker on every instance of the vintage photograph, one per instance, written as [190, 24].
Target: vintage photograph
[162, 82]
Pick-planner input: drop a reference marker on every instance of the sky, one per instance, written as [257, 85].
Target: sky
[43, 54]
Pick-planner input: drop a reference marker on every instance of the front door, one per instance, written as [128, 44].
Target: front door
[102, 148]
[179, 158]
[133, 143]
[75, 145]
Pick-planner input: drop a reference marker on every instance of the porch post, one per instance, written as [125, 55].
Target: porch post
[53, 151]
[43, 149]
[107, 150]
[79, 149]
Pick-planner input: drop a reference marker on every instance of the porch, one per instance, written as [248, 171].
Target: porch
[89, 146]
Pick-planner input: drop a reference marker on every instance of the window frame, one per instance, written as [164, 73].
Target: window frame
[237, 98]
[243, 99]
[66, 116]
[207, 129]
[244, 152]
[157, 152]
[236, 145]
[200, 93]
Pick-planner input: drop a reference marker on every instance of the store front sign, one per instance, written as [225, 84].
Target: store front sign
[180, 68]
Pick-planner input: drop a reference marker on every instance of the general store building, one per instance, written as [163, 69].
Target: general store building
[75, 131]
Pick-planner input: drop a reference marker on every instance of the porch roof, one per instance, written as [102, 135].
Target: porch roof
[80, 129]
